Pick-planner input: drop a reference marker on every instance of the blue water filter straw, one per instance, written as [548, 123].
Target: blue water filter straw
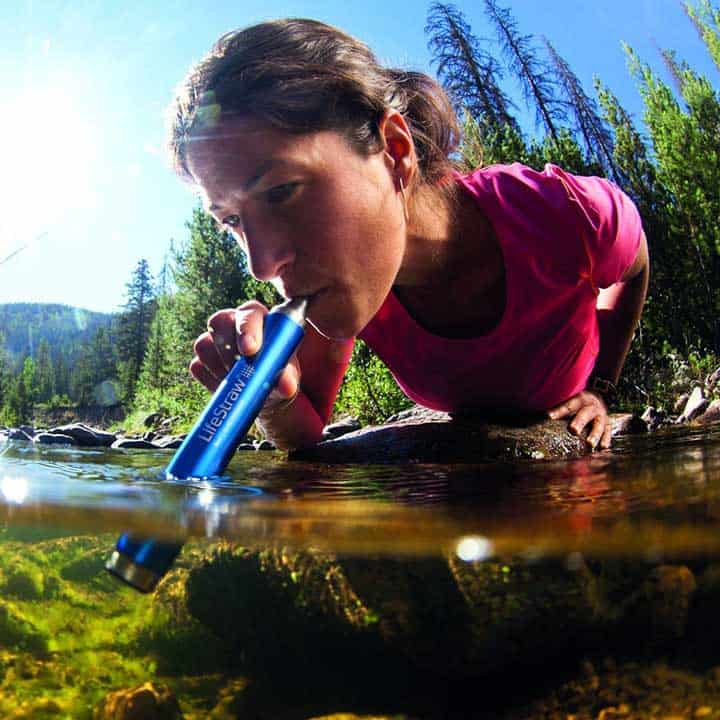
[208, 448]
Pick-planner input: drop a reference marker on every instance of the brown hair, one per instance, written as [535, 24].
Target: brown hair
[303, 76]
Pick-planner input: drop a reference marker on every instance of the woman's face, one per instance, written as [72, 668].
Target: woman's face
[313, 216]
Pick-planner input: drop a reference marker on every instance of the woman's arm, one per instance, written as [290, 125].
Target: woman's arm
[619, 310]
[300, 421]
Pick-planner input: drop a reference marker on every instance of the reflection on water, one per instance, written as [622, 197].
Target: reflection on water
[651, 494]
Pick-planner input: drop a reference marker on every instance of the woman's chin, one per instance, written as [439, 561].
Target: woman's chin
[333, 331]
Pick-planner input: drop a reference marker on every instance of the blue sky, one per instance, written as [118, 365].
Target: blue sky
[85, 188]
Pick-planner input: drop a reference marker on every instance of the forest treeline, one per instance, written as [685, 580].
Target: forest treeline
[668, 166]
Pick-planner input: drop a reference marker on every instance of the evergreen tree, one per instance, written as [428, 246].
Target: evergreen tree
[470, 74]
[134, 327]
[534, 76]
[5, 372]
[210, 273]
[685, 149]
[46, 386]
[594, 132]
[706, 19]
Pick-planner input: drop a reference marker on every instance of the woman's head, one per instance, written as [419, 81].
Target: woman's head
[302, 76]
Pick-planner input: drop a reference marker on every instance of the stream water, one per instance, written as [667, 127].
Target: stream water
[638, 524]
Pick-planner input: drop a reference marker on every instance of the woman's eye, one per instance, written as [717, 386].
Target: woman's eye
[281, 193]
[231, 221]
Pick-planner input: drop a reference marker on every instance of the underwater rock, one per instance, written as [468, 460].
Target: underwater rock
[22, 581]
[669, 590]
[283, 608]
[146, 702]
[49, 438]
[657, 613]
[17, 632]
[84, 435]
[422, 435]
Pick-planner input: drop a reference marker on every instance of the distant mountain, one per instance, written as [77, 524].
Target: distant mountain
[24, 325]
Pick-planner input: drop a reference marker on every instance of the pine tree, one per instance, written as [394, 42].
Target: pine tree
[534, 76]
[706, 20]
[594, 132]
[686, 156]
[210, 273]
[134, 327]
[46, 387]
[470, 74]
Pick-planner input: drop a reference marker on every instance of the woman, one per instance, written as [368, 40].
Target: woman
[334, 175]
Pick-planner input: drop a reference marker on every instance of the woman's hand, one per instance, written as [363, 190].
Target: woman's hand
[588, 409]
[230, 334]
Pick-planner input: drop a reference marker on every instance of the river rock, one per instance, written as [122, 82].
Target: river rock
[264, 445]
[712, 379]
[711, 414]
[695, 406]
[132, 444]
[680, 403]
[153, 419]
[53, 438]
[17, 434]
[664, 602]
[628, 424]
[450, 617]
[84, 435]
[654, 417]
[169, 442]
[146, 702]
[421, 435]
[341, 427]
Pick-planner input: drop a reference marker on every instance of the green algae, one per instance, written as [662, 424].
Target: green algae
[234, 631]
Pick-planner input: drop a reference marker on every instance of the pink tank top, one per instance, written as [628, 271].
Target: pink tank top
[562, 237]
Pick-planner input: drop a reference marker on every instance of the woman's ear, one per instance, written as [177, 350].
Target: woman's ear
[399, 147]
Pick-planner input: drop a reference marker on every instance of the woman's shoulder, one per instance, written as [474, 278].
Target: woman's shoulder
[517, 188]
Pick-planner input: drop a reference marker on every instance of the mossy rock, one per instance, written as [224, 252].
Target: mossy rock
[284, 607]
[18, 633]
[23, 582]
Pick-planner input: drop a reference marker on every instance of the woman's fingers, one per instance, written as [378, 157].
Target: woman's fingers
[208, 355]
[586, 409]
[566, 409]
[203, 375]
[221, 329]
[248, 326]
[232, 333]
[606, 440]
[585, 415]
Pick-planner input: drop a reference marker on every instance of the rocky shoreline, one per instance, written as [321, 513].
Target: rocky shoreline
[416, 435]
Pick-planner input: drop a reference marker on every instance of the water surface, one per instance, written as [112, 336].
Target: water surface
[651, 495]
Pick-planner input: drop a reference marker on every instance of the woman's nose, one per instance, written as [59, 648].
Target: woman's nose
[267, 255]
